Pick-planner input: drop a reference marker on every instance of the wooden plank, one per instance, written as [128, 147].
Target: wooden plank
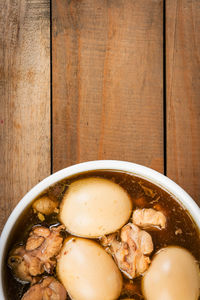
[25, 99]
[183, 94]
[107, 81]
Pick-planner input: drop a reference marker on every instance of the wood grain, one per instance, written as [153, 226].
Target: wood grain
[25, 99]
[107, 81]
[183, 93]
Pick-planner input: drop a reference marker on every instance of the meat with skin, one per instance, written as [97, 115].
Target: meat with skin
[38, 255]
[149, 217]
[48, 289]
[131, 253]
[17, 263]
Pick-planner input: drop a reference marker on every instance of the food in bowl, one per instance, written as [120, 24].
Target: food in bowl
[90, 268]
[102, 205]
[172, 268]
[98, 235]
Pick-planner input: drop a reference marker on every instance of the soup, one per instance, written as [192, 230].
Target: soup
[143, 201]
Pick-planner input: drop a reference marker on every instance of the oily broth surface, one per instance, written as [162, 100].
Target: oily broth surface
[180, 229]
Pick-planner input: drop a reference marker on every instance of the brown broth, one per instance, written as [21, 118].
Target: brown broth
[143, 194]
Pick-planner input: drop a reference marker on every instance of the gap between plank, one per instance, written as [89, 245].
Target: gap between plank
[164, 91]
[51, 93]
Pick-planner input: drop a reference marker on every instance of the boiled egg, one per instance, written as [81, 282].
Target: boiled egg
[87, 271]
[173, 275]
[93, 207]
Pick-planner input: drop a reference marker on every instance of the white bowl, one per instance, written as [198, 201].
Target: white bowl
[140, 171]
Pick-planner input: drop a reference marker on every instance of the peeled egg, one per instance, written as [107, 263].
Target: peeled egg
[173, 275]
[87, 271]
[93, 207]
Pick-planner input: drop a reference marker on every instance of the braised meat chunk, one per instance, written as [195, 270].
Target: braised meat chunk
[149, 217]
[131, 253]
[18, 264]
[38, 255]
[48, 289]
[45, 205]
[50, 246]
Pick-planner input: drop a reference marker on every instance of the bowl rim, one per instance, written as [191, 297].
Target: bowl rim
[116, 165]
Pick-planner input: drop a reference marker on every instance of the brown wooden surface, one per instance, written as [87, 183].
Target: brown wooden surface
[183, 94]
[24, 100]
[107, 81]
[107, 89]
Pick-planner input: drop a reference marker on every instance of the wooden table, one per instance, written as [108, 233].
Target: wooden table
[98, 79]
